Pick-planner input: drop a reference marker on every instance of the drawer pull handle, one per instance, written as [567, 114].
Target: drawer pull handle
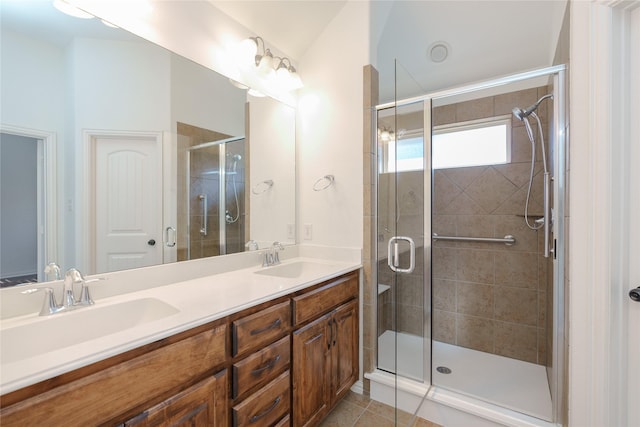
[274, 325]
[266, 411]
[269, 365]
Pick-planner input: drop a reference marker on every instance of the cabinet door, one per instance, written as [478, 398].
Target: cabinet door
[344, 349]
[312, 372]
[202, 405]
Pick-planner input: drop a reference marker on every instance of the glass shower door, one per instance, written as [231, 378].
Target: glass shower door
[403, 252]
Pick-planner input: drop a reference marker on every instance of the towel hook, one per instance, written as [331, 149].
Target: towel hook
[328, 181]
[261, 187]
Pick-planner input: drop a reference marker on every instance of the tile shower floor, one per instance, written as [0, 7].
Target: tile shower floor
[356, 410]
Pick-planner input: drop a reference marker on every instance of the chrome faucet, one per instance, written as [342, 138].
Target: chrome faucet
[69, 302]
[71, 277]
[276, 247]
[270, 256]
[52, 269]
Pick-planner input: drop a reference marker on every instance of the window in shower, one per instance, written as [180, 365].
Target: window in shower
[475, 143]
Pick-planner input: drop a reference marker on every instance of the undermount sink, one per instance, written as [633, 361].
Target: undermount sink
[296, 269]
[66, 329]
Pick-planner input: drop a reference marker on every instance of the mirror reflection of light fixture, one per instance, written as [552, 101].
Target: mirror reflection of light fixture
[386, 135]
[71, 10]
[272, 70]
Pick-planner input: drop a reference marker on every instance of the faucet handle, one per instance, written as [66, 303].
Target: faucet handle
[85, 296]
[49, 304]
[251, 245]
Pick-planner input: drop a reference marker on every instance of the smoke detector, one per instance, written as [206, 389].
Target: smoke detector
[439, 51]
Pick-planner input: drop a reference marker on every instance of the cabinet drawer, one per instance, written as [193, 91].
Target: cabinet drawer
[285, 422]
[260, 366]
[261, 328]
[315, 303]
[127, 385]
[266, 406]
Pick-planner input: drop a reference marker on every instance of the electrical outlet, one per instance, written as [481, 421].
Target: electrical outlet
[308, 232]
[291, 231]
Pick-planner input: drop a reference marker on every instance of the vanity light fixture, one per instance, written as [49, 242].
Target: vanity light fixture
[271, 70]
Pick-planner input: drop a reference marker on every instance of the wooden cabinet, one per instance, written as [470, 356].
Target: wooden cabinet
[111, 391]
[325, 350]
[201, 405]
[282, 363]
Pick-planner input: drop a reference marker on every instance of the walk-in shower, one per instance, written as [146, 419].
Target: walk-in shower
[470, 227]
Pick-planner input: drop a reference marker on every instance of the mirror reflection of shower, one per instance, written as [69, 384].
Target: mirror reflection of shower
[545, 221]
[215, 198]
[232, 172]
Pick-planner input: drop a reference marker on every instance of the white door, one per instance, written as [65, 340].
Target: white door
[128, 202]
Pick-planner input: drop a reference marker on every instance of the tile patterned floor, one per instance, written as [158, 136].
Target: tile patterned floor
[356, 410]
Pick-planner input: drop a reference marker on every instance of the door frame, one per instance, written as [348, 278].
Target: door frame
[600, 391]
[86, 237]
[49, 244]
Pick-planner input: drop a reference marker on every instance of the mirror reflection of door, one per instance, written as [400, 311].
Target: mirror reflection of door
[128, 202]
[20, 244]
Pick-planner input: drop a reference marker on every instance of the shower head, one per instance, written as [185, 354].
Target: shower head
[235, 158]
[521, 114]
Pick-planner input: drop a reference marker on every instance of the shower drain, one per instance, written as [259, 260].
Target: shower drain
[443, 370]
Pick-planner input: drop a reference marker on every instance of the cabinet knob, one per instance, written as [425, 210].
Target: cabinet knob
[634, 294]
[151, 242]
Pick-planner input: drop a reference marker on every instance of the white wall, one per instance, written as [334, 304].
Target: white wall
[196, 93]
[272, 151]
[329, 129]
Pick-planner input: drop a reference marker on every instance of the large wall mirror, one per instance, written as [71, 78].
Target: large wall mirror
[116, 153]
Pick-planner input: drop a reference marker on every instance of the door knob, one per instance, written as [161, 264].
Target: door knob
[634, 294]
[151, 242]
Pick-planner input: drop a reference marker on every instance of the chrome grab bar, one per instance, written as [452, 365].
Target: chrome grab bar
[203, 230]
[170, 243]
[394, 261]
[507, 240]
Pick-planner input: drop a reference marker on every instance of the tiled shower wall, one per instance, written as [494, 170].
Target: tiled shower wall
[202, 182]
[488, 296]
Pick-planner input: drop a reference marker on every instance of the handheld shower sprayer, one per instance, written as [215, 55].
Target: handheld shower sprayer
[545, 221]
[521, 114]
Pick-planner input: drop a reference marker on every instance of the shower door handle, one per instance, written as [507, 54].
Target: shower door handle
[547, 214]
[170, 243]
[203, 230]
[393, 254]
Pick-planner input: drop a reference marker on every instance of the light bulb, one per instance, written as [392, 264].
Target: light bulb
[283, 77]
[296, 81]
[247, 50]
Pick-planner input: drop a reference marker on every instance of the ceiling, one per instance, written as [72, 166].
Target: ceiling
[487, 38]
[290, 25]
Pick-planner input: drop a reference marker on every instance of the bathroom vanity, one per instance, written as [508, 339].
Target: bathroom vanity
[285, 359]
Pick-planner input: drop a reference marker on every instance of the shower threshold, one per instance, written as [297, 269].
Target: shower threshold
[510, 383]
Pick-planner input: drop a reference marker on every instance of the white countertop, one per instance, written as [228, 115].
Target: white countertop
[198, 301]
